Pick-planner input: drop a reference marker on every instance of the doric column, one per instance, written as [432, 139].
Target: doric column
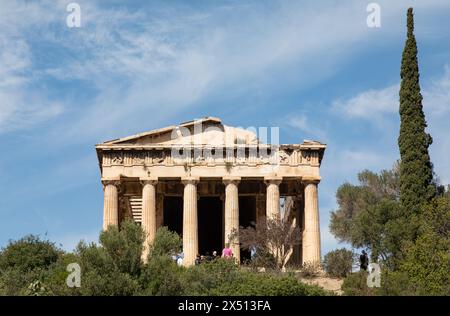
[148, 213]
[232, 213]
[190, 221]
[111, 203]
[311, 232]
[273, 197]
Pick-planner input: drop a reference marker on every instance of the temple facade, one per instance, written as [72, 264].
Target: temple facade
[202, 179]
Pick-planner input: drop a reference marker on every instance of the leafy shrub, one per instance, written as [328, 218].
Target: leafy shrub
[28, 253]
[115, 268]
[395, 284]
[355, 284]
[124, 246]
[310, 269]
[338, 263]
[222, 277]
[162, 276]
[166, 243]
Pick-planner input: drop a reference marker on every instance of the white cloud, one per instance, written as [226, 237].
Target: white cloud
[377, 106]
[370, 104]
[160, 61]
[436, 96]
[305, 124]
[21, 106]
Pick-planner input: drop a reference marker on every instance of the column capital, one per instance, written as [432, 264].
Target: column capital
[149, 180]
[273, 180]
[310, 181]
[190, 180]
[114, 181]
[229, 179]
[111, 181]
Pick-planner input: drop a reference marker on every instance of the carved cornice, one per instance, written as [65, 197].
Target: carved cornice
[283, 155]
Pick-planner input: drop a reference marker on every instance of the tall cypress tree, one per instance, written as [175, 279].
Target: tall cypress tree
[416, 171]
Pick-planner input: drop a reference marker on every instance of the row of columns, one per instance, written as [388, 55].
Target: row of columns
[311, 232]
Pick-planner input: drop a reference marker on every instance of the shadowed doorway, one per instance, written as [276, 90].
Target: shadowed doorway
[173, 214]
[247, 217]
[210, 225]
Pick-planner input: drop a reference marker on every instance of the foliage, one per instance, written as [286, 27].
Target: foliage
[30, 267]
[427, 261]
[222, 277]
[370, 216]
[124, 246]
[416, 171]
[165, 243]
[310, 269]
[355, 284]
[274, 240]
[28, 253]
[23, 264]
[338, 263]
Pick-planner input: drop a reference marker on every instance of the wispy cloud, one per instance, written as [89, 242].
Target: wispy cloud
[371, 104]
[307, 126]
[378, 106]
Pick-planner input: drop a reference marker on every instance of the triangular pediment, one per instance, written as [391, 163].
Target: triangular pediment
[206, 131]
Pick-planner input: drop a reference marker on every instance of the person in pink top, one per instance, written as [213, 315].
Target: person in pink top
[227, 252]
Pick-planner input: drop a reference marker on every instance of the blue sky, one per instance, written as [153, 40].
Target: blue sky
[314, 69]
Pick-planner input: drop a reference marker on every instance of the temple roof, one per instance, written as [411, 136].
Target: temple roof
[207, 131]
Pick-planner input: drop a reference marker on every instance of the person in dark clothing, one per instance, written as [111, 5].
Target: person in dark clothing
[198, 260]
[363, 260]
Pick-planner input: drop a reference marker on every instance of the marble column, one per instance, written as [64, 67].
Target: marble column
[273, 197]
[111, 203]
[311, 232]
[190, 221]
[148, 213]
[232, 213]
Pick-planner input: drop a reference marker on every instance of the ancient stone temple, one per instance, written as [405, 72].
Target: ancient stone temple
[203, 179]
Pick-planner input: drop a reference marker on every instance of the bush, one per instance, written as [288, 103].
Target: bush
[28, 253]
[124, 246]
[338, 263]
[222, 277]
[256, 284]
[427, 259]
[395, 284]
[162, 276]
[355, 284]
[23, 264]
[310, 270]
[165, 243]
[114, 268]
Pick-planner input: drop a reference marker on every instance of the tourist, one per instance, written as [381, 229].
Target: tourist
[363, 260]
[253, 252]
[197, 260]
[227, 253]
[180, 257]
[214, 256]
